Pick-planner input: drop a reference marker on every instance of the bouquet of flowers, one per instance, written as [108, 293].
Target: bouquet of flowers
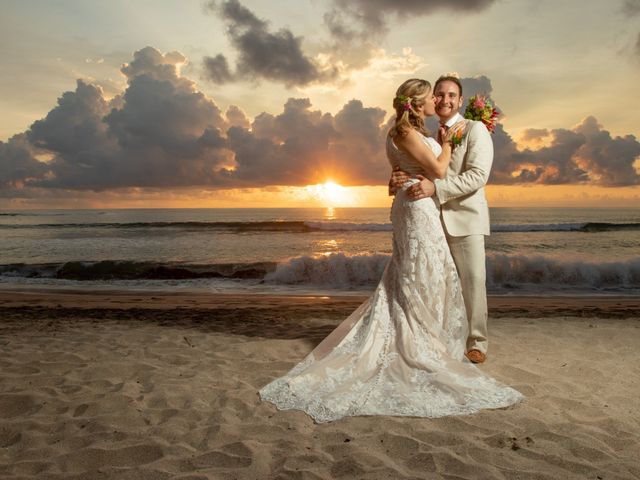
[481, 109]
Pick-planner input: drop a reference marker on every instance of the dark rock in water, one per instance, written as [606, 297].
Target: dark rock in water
[106, 270]
[128, 270]
[249, 273]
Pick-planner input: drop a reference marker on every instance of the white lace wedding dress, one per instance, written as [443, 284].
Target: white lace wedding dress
[402, 351]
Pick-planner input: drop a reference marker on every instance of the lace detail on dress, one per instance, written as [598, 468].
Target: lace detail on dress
[402, 351]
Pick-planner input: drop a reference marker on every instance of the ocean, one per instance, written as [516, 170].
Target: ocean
[532, 251]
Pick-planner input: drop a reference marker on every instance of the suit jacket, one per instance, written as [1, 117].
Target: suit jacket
[463, 205]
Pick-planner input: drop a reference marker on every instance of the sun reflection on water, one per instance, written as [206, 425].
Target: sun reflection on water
[330, 213]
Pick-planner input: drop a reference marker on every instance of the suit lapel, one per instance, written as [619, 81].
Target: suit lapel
[459, 152]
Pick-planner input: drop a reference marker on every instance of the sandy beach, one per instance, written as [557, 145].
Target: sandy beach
[115, 385]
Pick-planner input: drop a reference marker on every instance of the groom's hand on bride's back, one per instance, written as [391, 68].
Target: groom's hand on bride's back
[424, 189]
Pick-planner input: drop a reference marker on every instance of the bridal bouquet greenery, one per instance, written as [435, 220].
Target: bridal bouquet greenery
[481, 109]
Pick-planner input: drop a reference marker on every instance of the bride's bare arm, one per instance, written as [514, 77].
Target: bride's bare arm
[435, 167]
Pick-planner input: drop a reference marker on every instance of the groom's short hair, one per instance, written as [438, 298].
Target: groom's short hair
[448, 78]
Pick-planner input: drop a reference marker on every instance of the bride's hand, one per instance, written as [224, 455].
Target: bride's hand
[399, 178]
[458, 127]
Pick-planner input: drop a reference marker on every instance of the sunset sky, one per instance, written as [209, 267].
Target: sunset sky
[255, 103]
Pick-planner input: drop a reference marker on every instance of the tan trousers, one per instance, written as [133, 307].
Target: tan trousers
[469, 257]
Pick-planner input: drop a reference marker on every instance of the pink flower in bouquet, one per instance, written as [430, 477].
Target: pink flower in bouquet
[481, 109]
[479, 102]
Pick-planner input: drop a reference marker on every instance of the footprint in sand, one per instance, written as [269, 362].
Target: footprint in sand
[233, 455]
[94, 458]
[9, 437]
[12, 405]
[80, 409]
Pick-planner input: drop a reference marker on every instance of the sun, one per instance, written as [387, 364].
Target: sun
[331, 194]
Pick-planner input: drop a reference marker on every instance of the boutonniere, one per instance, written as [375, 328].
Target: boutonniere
[481, 109]
[456, 139]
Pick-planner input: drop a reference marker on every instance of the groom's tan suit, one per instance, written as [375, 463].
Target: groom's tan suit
[465, 217]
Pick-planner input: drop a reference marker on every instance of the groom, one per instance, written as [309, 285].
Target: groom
[463, 207]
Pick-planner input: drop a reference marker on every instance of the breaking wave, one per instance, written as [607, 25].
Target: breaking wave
[505, 273]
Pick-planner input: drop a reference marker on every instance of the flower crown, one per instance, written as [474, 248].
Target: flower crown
[405, 101]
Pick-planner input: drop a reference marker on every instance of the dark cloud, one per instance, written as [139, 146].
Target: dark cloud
[357, 27]
[217, 69]
[236, 117]
[163, 133]
[261, 53]
[160, 132]
[609, 160]
[545, 166]
[302, 146]
[17, 163]
[76, 136]
[631, 7]
[535, 134]
[474, 85]
[585, 154]
[238, 14]
[350, 19]
[151, 63]
[75, 125]
[339, 26]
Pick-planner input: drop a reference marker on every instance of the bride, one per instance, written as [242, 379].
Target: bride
[402, 351]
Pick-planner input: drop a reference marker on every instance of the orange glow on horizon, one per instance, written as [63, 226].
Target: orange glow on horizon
[325, 195]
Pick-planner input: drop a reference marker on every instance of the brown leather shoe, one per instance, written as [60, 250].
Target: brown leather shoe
[476, 356]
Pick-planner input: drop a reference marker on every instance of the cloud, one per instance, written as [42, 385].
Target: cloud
[150, 62]
[75, 135]
[261, 53]
[236, 117]
[584, 154]
[357, 19]
[264, 54]
[17, 163]
[631, 8]
[357, 27]
[161, 133]
[535, 134]
[217, 69]
[302, 146]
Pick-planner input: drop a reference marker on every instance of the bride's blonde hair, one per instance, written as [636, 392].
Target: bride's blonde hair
[410, 94]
